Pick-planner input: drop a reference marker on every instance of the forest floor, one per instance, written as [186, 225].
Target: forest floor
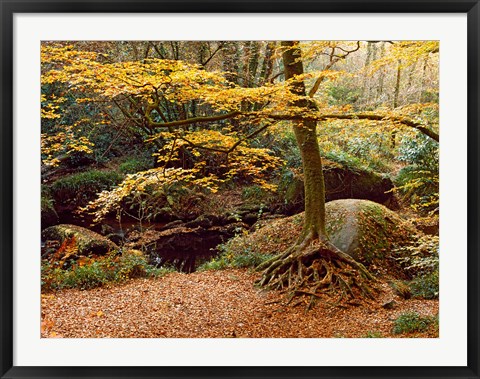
[218, 304]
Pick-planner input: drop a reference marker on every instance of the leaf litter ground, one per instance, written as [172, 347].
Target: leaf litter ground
[215, 304]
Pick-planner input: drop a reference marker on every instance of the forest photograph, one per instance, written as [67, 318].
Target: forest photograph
[240, 189]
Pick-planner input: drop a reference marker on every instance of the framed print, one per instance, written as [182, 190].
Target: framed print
[199, 188]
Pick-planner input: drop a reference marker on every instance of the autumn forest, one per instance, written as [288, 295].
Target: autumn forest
[240, 189]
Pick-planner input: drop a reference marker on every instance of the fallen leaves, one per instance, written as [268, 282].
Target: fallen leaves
[213, 304]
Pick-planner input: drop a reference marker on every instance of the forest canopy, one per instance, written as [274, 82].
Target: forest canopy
[216, 101]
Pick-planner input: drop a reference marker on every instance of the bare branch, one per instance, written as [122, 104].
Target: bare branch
[219, 47]
[320, 79]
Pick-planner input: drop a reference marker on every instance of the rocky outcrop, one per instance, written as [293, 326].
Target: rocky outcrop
[64, 242]
[341, 182]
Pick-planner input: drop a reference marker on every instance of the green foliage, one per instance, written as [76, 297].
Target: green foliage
[85, 277]
[413, 322]
[83, 186]
[430, 96]
[109, 269]
[345, 159]
[420, 187]
[420, 150]
[426, 286]
[133, 165]
[419, 181]
[228, 259]
[421, 260]
[358, 154]
[420, 257]
[256, 194]
[47, 201]
[284, 144]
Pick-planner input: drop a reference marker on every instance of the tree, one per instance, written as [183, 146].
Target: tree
[313, 262]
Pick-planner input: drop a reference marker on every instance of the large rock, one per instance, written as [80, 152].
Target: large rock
[341, 182]
[66, 242]
[365, 230]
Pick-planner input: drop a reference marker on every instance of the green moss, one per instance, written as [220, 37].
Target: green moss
[87, 242]
[235, 259]
[133, 165]
[335, 221]
[381, 230]
[83, 186]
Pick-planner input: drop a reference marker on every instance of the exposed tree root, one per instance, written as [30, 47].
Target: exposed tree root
[314, 267]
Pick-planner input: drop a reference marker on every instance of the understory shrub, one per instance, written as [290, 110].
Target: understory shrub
[342, 94]
[413, 322]
[46, 200]
[420, 187]
[418, 182]
[96, 273]
[426, 286]
[256, 194]
[421, 261]
[135, 164]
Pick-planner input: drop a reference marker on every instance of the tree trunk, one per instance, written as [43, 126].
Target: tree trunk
[381, 76]
[306, 136]
[393, 136]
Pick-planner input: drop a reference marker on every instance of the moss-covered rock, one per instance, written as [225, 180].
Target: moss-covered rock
[81, 187]
[73, 242]
[341, 182]
[363, 229]
[366, 230]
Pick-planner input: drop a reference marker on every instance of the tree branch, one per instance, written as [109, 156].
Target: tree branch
[401, 120]
[219, 47]
[192, 120]
[320, 79]
[311, 117]
[231, 148]
[362, 116]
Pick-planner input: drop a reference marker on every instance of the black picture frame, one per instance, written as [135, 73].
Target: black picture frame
[9, 8]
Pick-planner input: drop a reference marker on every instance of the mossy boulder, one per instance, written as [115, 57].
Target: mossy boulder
[69, 192]
[363, 229]
[66, 242]
[366, 230]
[341, 182]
